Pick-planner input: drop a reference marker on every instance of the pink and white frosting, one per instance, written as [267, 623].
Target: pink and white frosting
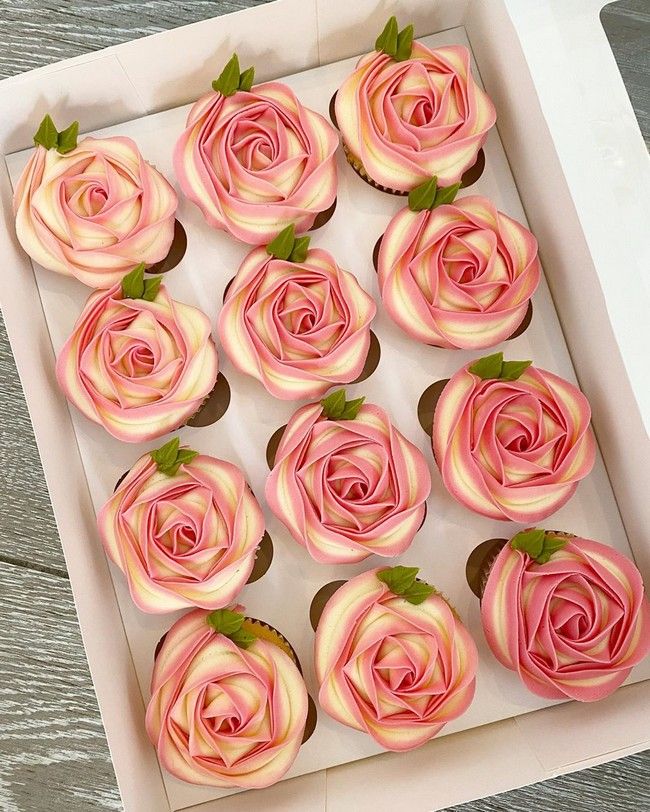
[95, 212]
[298, 327]
[257, 161]
[346, 489]
[458, 276]
[572, 627]
[221, 715]
[512, 449]
[184, 540]
[138, 368]
[406, 121]
[392, 669]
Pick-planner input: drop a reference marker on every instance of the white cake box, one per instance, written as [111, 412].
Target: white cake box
[581, 171]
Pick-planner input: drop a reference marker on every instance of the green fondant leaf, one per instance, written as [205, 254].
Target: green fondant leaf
[334, 404]
[133, 283]
[225, 621]
[398, 579]
[351, 408]
[404, 44]
[282, 246]
[151, 288]
[165, 456]
[299, 250]
[242, 638]
[387, 40]
[246, 79]
[228, 81]
[186, 455]
[418, 592]
[511, 370]
[530, 541]
[445, 194]
[47, 135]
[551, 545]
[423, 196]
[488, 366]
[67, 139]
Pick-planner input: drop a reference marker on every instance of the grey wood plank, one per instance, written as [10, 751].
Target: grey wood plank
[627, 26]
[53, 753]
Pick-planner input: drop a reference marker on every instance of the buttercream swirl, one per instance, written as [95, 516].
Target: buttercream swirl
[572, 627]
[407, 121]
[346, 489]
[183, 540]
[221, 715]
[512, 449]
[95, 212]
[298, 327]
[138, 368]
[257, 161]
[458, 276]
[392, 669]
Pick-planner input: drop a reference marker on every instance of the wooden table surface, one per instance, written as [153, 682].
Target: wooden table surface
[53, 754]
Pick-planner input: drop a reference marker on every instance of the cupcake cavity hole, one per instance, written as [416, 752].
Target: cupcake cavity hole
[320, 599]
[159, 645]
[372, 359]
[273, 445]
[475, 171]
[312, 719]
[332, 111]
[215, 405]
[263, 559]
[478, 563]
[525, 322]
[427, 405]
[324, 217]
[176, 251]
[375, 254]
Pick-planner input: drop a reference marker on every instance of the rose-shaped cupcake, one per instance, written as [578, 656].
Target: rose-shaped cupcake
[458, 275]
[393, 659]
[346, 483]
[255, 160]
[92, 210]
[184, 528]
[228, 703]
[138, 363]
[568, 614]
[407, 112]
[512, 441]
[296, 321]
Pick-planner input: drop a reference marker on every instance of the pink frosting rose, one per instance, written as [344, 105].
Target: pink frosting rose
[394, 669]
[298, 327]
[257, 161]
[572, 626]
[223, 715]
[512, 449]
[139, 368]
[348, 488]
[184, 537]
[459, 276]
[94, 212]
[407, 121]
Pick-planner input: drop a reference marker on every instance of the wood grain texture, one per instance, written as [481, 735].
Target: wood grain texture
[53, 755]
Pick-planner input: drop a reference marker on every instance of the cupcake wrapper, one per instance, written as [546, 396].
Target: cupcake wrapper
[356, 164]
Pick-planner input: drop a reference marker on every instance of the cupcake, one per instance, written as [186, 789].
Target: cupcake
[408, 112]
[184, 529]
[459, 274]
[92, 209]
[346, 483]
[294, 320]
[568, 614]
[393, 659]
[254, 160]
[228, 703]
[512, 441]
[138, 363]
